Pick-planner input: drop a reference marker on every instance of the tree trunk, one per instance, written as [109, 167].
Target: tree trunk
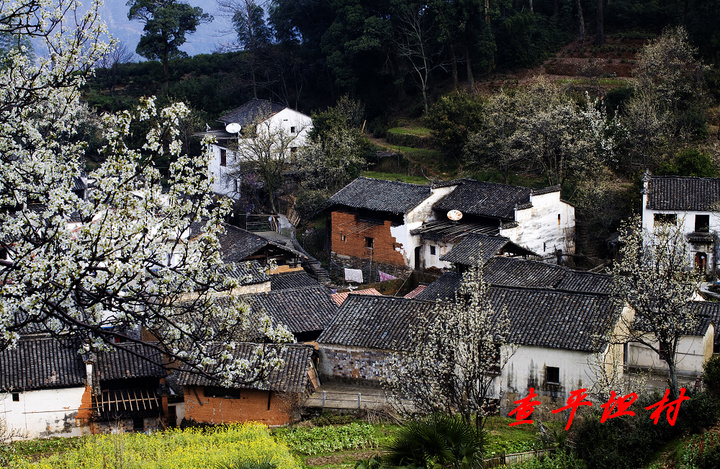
[468, 68]
[600, 24]
[581, 21]
[454, 67]
[556, 10]
[530, 5]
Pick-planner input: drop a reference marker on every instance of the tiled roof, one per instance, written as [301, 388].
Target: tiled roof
[443, 288]
[554, 319]
[413, 294]
[683, 193]
[378, 322]
[249, 273]
[484, 199]
[451, 232]
[707, 312]
[252, 112]
[297, 279]
[304, 309]
[512, 272]
[521, 273]
[478, 249]
[292, 377]
[541, 318]
[340, 298]
[41, 363]
[380, 195]
[129, 360]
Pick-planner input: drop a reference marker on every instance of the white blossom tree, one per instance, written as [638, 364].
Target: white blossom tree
[456, 357]
[125, 262]
[652, 277]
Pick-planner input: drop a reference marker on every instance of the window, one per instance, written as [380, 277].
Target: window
[432, 250]
[223, 157]
[343, 238]
[552, 375]
[665, 219]
[702, 223]
[369, 242]
[16, 397]
[558, 218]
[663, 351]
[292, 129]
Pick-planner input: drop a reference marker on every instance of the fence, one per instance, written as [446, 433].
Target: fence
[514, 458]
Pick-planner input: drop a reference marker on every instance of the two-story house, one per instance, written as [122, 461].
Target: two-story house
[257, 118]
[691, 202]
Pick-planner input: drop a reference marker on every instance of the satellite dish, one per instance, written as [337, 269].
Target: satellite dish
[233, 128]
[454, 215]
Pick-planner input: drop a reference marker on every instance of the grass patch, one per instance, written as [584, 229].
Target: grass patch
[604, 82]
[502, 438]
[395, 177]
[417, 131]
[34, 449]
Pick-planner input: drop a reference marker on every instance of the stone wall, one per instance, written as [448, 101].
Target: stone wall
[352, 364]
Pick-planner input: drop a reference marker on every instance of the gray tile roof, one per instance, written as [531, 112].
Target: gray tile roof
[41, 363]
[249, 273]
[448, 231]
[305, 309]
[521, 273]
[129, 360]
[292, 377]
[251, 112]
[707, 312]
[376, 322]
[541, 318]
[478, 249]
[380, 195]
[484, 199]
[683, 193]
[286, 280]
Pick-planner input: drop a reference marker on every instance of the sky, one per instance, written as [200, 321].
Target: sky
[207, 39]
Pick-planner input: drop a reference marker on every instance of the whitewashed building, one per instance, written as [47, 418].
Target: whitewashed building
[692, 203]
[257, 117]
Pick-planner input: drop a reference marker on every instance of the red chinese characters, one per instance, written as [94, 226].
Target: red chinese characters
[673, 407]
[619, 404]
[525, 407]
[576, 399]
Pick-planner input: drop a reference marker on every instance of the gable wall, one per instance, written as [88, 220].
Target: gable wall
[539, 229]
[44, 413]
[341, 363]
[252, 405]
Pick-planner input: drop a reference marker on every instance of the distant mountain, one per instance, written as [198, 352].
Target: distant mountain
[209, 37]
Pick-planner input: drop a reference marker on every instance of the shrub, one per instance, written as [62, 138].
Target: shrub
[711, 375]
[701, 452]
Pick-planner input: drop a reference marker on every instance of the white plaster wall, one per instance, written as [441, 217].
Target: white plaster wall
[527, 368]
[434, 260]
[690, 357]
[221, 184]
[286, 120]
[413, 220]
[43, 413]
[539, 229]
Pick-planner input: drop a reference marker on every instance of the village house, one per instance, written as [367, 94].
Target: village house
[391, 226]
[42, 384]
[256, 117]
[556, 336]
[692, 203]
[273, 402]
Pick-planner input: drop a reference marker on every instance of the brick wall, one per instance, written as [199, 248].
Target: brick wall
[354, 242]
[352, 364]
[252, 405]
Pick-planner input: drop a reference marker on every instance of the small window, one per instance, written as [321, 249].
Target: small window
[552, 375]
[665, 219]
[702, 223]
[16, 397]
[432, 250]
[292, 129]
[369, 242]
[223, 157]
[343, 238]
[558, 218]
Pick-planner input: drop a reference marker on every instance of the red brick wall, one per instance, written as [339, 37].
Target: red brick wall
[355, 232]
[252, 405]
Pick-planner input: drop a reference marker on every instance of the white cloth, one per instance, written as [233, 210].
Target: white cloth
[353, 275]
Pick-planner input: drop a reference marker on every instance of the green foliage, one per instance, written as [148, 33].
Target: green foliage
[438, 441]
[701, 452]
[395, 177]
[347, 114]
[558, 460]
[711, 375]
[248, 446]
[309, 202]
[374, 462]
[320, 440]
[689, 162]
[452, 119]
